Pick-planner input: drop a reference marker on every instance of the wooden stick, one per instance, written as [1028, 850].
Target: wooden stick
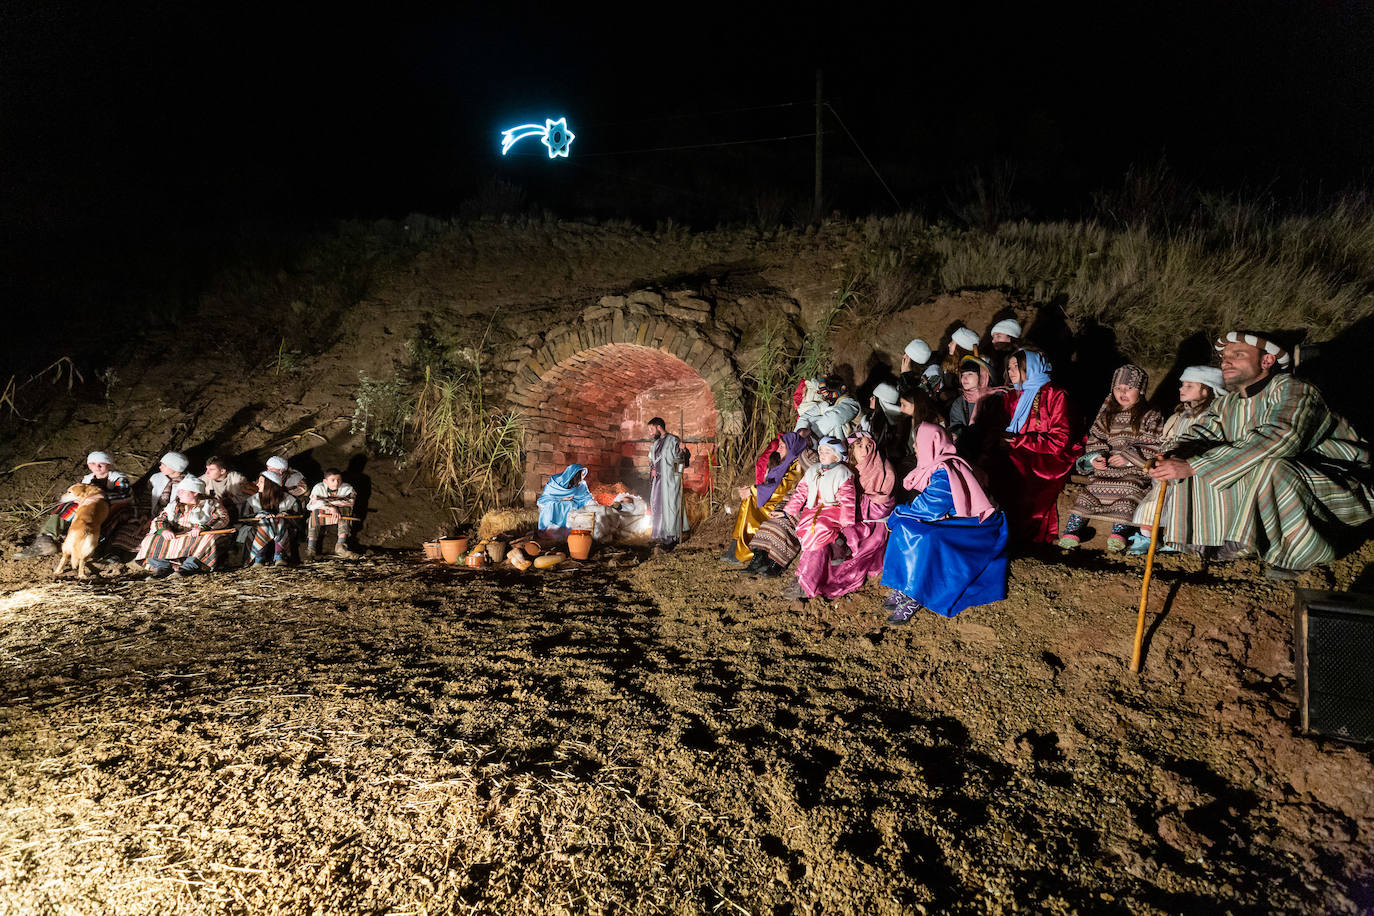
[1145, 586]
[259, 520]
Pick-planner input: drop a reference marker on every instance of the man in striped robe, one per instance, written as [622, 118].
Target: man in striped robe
[1272, 472]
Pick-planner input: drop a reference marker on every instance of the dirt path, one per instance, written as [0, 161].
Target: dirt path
[661, 736]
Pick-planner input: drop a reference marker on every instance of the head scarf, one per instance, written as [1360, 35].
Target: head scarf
[98, 458]
[918, 351]
[795, 444]
[935, 450]
[965, 338]
[272, 476]
[876, 477]
[835, 445]
[1204, 375]
[1264, 344]
[1008, 326]
[889, 401]
[1131, 375]
[561, 484]
[979, 365]
[176, 461]
[1037, 377]
[191, 485]
[277, 463]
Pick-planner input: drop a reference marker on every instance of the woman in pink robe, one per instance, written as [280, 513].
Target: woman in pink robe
[824, 505]
[866, 539]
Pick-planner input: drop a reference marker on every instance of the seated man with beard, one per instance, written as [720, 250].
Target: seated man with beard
[1273, 471]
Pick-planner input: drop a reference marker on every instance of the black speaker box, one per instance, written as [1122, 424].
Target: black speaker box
[1334, 656]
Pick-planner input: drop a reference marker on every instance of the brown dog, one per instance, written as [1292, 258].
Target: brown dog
[84, 534]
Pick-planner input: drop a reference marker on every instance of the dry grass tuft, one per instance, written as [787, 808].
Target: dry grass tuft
[514, 520]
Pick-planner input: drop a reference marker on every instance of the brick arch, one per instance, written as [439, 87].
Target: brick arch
[586, 393]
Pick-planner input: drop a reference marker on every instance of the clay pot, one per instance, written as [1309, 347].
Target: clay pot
[432, 551]
[579, 544]
[453, 549]
[477, 559]
[531, 548]
[496, 550]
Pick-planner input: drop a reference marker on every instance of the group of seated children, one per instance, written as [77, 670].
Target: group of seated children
[194, 523]
[983, 442]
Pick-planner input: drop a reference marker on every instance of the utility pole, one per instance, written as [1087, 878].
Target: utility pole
[820, 144]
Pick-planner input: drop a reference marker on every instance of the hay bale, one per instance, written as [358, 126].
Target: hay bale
[514, 520]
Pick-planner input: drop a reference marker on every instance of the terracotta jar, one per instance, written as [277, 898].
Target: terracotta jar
[453, 549]
[579, 544]
[477, 559]
[432, 551]
[496, 550]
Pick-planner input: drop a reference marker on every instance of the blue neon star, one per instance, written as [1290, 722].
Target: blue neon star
[557, 137]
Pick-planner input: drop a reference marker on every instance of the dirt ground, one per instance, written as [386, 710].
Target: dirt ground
[663, 734]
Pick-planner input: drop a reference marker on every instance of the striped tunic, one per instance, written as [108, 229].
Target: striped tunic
[1274, 470]
[1113, 493]
[170, 537]
[1178, 423]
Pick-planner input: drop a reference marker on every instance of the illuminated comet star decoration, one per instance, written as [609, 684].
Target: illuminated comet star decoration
[553, 134]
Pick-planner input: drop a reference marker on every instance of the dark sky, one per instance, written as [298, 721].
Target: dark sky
[169, 116]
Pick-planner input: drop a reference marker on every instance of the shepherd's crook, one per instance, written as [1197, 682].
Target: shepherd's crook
[1149, 568]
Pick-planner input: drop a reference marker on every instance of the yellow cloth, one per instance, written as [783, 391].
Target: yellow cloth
[751, 516]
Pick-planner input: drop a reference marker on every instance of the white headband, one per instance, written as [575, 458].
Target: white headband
[1008, 326]
[1254, 340]
[278, 462]
[965, 338]
[1204, 375]
[272, 476]
[176, 461]
[99, 458]
[191, 485]
[918, 350]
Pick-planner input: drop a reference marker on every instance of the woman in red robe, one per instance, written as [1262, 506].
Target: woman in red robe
[1030, 463]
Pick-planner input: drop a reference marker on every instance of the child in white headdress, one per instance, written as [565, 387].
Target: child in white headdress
[170, 470]
[270, 509]
[1198, 387]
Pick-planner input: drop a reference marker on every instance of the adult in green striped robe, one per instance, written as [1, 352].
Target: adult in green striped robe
[1273, 471]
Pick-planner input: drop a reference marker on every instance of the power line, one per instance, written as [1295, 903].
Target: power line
[865, 155]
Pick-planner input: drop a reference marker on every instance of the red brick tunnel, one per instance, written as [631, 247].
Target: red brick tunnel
[592, 410]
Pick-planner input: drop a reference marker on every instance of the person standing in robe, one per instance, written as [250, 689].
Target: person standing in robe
[823, 505]
[770, 491]
[1272, 472]
[863, 542]
[565, 491]
[947, 548]
[1198, 389]
[1030, 462]
[1123, 441]
[667, 461]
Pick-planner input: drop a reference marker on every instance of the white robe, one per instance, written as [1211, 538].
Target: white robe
[665, 489]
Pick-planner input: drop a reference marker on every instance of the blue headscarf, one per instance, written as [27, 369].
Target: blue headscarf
[555, 504]
[1037, 377]
[795, 443]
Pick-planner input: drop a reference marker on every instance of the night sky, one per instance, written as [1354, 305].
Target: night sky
[128, 124]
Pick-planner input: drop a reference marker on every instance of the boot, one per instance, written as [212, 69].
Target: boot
[757, 564]
[42, 546]
[310, 551]
[771, 570]
[341, 550]
[729, 555]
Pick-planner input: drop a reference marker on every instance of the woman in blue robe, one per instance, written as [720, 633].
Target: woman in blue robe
[563, 493]
[947, 548]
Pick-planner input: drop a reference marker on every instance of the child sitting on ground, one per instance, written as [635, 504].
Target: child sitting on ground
[1124, 439]
[187, 533]
[271, 507]
[331, 502]
[1198, 387]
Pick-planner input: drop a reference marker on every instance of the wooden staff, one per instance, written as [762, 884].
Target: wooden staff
[1145, 586]
[258, 520]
